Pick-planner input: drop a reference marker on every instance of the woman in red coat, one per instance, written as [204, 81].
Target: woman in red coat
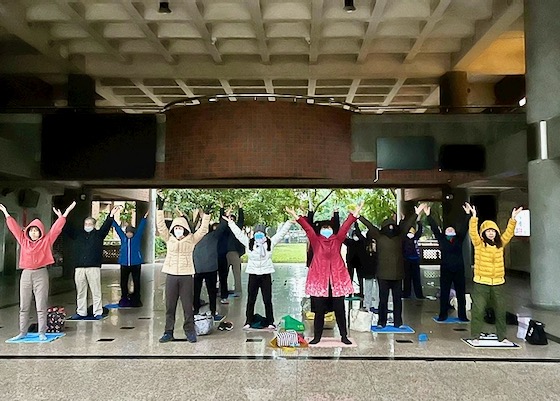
[328, 281]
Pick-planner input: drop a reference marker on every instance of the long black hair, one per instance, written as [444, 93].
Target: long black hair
[497, 241]
[252, 244]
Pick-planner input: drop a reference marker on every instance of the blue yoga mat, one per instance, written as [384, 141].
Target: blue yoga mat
[449, 320]
[34, 338]
[112, 306]
[404, 329]
[87, 319]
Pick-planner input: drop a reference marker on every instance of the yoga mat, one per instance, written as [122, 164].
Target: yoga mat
[331, 342]
[34, 338]
[116, 306]
[489, 344]
[86, 319]
[250, 329]
[449, 320]
[389, 329]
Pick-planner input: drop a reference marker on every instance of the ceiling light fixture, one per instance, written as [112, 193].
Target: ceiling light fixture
[349, 6]
[164, 7]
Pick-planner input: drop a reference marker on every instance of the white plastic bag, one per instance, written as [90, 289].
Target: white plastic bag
[360, 320]
[203, 324]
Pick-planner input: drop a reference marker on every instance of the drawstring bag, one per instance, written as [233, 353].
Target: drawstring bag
[360, 320]
[287, 338]
[535, 333]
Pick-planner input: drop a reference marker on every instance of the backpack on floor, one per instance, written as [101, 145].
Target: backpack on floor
[55, 319]
[535, 333]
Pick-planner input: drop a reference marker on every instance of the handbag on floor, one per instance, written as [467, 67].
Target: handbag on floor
[55, 319]
[535, 333]
[287, 338]
[360, 320]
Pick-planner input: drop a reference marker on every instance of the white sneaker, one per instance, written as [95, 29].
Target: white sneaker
[42, 337]
[20, 336]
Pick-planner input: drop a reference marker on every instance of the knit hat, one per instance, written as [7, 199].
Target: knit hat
[130, 229]
[259, 227]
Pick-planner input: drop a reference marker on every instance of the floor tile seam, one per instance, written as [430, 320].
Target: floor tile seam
[363, 359]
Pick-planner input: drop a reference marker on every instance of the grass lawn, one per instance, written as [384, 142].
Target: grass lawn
[287, 253]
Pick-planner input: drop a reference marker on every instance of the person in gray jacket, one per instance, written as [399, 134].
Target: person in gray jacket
[205, 258]
[390, 268]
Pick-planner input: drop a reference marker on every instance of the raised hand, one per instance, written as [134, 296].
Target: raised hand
[57, 212]
[467, 208]
[179, 212]
[358, 209]
[115, 210]
[291, 212]
[427, 210]
[418, 209]
[146, 214]
[515, 212]
[4, 210]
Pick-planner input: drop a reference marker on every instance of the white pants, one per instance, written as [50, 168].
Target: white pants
[371, 293]
[84, 277]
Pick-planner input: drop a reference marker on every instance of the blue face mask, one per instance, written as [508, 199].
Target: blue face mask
[259, 236]
[326, 232]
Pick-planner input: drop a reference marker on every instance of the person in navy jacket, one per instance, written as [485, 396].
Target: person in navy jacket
[131, 259]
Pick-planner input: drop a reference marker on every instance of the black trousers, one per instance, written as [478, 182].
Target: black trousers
[412, 279]
[126, 271]
[395, 286]
[457, 279]
[356, 266]
[264, 283]
[211, 279]
[323, 305]
[179, 288]
[223, 270]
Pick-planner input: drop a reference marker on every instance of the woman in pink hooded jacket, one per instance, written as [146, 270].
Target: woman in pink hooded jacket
[35, 254]
[328, 281]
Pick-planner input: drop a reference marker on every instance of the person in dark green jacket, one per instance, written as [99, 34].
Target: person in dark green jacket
[390, 267]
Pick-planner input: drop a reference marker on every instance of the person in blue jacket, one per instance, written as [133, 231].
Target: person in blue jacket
[131, 259]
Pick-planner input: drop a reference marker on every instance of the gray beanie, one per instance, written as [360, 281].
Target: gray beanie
[259, 227]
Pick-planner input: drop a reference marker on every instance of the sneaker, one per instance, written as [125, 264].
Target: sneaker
[203, 302]
[19, 336]
[98, 317]
[75, 316]
[191, 337]
[272, 327]
[374, 310]
[224, 301]
[42, 337]
[236, 294]
[223, 326]
[218, 318]
[166, 338]
[247, 326]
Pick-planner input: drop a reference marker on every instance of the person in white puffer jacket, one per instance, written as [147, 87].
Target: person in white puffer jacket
[259, 267]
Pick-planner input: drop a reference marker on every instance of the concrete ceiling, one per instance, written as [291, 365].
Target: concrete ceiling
[387, 53]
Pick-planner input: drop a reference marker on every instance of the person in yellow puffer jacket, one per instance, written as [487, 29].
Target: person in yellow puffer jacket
[489, 270]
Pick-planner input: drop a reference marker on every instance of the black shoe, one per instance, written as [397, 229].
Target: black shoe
[346, 341]
[441, 318]
[315, 340]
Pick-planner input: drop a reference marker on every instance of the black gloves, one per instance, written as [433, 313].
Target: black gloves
[160, 202]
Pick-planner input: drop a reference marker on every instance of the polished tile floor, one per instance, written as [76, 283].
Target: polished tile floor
[120, 358]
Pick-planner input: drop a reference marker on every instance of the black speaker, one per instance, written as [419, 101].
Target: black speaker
[28, 198]
[462, 158]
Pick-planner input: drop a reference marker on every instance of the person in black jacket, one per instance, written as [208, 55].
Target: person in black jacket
[355, 255]
[452, 267]
[411, 256]
[230, 251]
[205, 257]
[88, 251]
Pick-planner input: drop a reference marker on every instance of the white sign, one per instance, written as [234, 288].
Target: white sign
[523, 226]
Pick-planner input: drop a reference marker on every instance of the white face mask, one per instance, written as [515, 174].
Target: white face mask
[88, 229]
[410, 235]
[355, 238]
[178, 232]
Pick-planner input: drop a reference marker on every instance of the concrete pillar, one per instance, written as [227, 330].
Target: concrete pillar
[148, 243]
[542, 34]
[453, 92]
